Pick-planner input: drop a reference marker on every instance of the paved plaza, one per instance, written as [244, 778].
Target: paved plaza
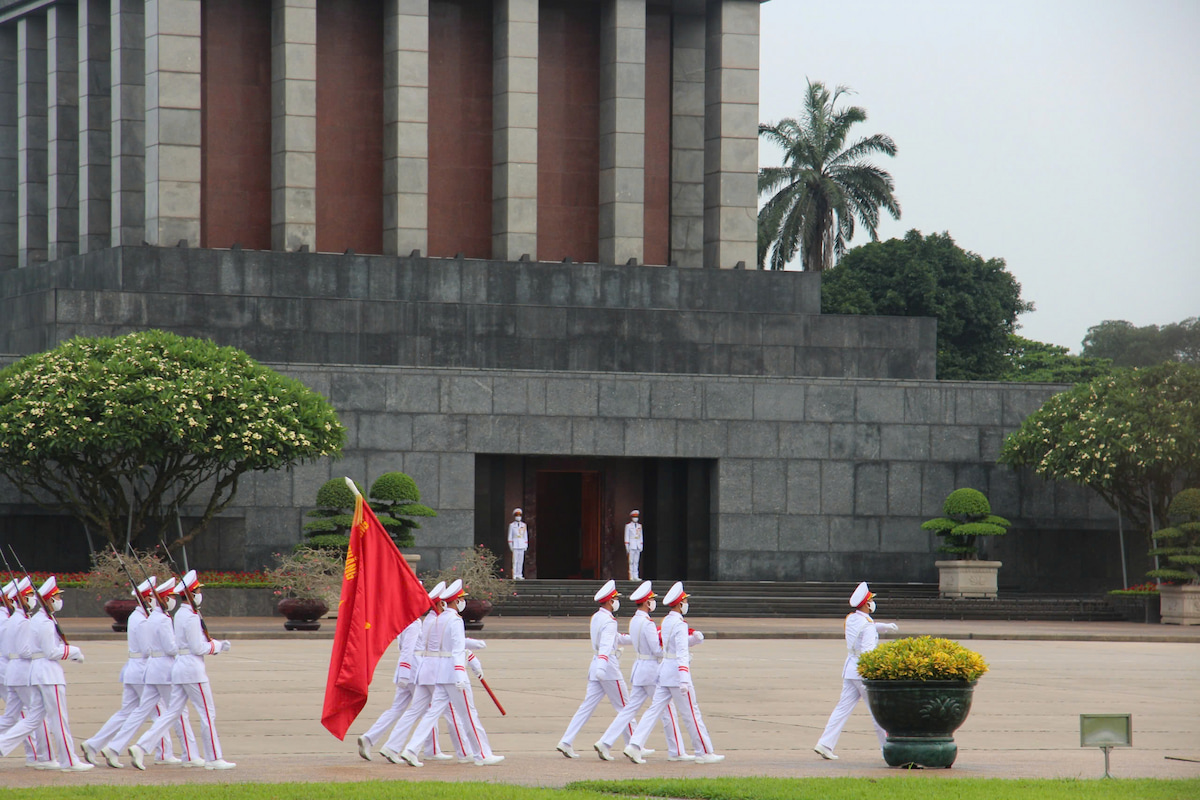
[765, 701]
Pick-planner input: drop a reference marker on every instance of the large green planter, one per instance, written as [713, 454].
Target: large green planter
[920, 718]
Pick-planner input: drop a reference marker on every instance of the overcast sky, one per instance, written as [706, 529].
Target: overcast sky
[1059, 135]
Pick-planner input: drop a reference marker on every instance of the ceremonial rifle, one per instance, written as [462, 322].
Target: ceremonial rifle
[11, 606]
[132, 583]
[187, 593]
[41, 600]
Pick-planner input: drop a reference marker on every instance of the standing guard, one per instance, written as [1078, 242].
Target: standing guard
[862, 635]
[604, 672]
[675, 683]
[633, 544]
[518, 543]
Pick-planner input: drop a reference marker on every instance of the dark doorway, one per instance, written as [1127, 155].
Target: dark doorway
[568, 508]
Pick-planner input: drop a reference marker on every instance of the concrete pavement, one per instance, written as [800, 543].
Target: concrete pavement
[765, 699]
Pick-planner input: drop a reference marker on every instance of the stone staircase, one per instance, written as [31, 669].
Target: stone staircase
[808, 599]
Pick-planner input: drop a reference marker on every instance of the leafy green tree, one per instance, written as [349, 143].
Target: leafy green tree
[967, 516]
[1127, 345]
[394, 498]
[1131, 437]
[1040, 362]
[976, 302]
[1180, 543]
[122, 432]
[824, 185]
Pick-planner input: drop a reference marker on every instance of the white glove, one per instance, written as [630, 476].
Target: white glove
[893, 627]
[462, 685]
[402, 683]
[75, 654]
[476, 668]
[699, 636]
[225, 645]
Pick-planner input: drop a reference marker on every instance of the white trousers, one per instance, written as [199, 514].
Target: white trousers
[58, 726]
[446, 695]
[131, 699]
[31, 724]
[615, 691]
[635, 558]
[626, 720]
[12, 715]
[852, 692]
[459, 727]
[200, 695]
[401, 700]
[153, 701]
[519, 564]
[422, 696]
[689, 714]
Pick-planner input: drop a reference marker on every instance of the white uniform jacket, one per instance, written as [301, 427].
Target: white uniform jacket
[161, 647]
[134, 671]
[606, 641]
[648, 649]
[406, 643]
[48, 651]
[518, 536]
[633, 536]
[5, 618]
[444, 659]
[193, 647]
[17, 647]
[676, 658]
[862, 635]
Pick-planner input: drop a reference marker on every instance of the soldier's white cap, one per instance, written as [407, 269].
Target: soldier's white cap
[25, 586]
[145, 587]
[10, 590]
[675, 595]
[517, 511]
[635, 513]
[49, 588]
[166, 587]
[190, 582]
[861, 595]
[454, 591]
[607, 592]
[642, 593]
[436, 592]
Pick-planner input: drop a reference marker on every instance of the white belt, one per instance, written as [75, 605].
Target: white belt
[14, 655]
[435, 654]
[671, 655]
[647, 657]
[157, 654]
[36, 656]
[137, 657]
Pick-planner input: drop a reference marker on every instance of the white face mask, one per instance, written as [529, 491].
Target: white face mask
[871, 607]
[459, 605]
[683, 608]
[56, 604]
[518, 518]
[198, 598]
[171, 602]
[653, 604]
[616, 605]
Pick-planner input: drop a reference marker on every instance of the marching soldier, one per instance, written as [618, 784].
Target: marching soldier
[633, 544]
[648, 650]
[189, 680]
[419, 681]
[604, 673]
[862, 635]
[446, 666]
[675, 683]
[18, 694]
[518, 543]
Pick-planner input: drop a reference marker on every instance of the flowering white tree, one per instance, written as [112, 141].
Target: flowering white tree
[1133, 437]
[122, 432]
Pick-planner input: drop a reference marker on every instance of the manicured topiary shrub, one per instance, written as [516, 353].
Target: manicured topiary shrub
[1180, 543]
[967, 516]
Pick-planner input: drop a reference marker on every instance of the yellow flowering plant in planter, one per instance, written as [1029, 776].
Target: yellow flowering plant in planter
[921, 658]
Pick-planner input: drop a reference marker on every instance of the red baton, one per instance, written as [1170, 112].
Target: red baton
[492, 695]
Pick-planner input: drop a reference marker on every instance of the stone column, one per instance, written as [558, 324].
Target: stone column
[173, 122]
[514, 129]
[31, 139]
[62, 81]
[127, 174]
[8, 147]
[406, 127]
[731, 134]
[622, 130]
[95, 125]
[293, 124]
[687, 138]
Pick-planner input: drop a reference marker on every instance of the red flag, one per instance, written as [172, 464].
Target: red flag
[381, 596]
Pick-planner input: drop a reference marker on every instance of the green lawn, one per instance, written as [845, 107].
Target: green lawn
[901, 787]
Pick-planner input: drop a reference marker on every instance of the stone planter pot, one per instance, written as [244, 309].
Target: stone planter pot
[1180, 605]
[120, 610]
[967, 578]
[474, 613]
[303, 613]
[920, 718]
[1136, 608]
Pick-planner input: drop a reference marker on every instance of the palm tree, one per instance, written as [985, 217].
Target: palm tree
[822, 186]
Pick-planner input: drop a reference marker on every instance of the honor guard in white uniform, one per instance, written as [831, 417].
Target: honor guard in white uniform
[37, 752]
[133, 685]
[648, 652]
[862, 635]
[46, 649]
[420, 682]
[407, 642]
[518, 543]
[604, 672]
[445, 663]
[633, 544]
[675, 684]
[189, 680]
[458, 726]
